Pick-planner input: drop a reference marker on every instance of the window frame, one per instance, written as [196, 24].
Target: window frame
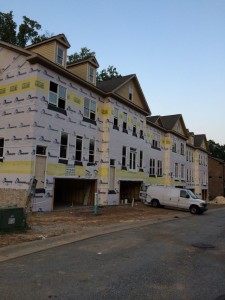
[60, 59]
[64, 145]
[159, 168]
[91, 74]
[124, 158]
[176, 170]
[141, 156]
[152, 167]
[133, 159]
[90, 114]
[141, 129]
[78, 151]
[125, 122]
[58, 97]
[134, 131]
[91, 152]
[2, 144]
[116, 118]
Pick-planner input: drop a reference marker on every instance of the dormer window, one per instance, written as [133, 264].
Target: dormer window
[91, 74]
[130, 93]
[60, 56]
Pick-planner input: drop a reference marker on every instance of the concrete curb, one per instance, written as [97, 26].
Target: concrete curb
[26, 248]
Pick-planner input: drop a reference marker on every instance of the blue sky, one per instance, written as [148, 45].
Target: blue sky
[175, 47]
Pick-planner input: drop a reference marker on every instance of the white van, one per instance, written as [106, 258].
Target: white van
[175, 197]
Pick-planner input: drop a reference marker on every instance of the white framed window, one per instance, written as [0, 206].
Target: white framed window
[60, 56]
[124, 154]
[130, 93]
[141, 129]
[64, 142]
[141, 159]
[116, 114]
[79, 147]
[176, 170]
[133, 156]
[152, 167]
[156, 141]
[135, 126]
[174, 147]
[159, 169]
[57, 95]
[182, 171]
[89, 109]
[182, 148]
[1, 148]
[91, 74]
[125, 122]
[41, 150]
[91, 158]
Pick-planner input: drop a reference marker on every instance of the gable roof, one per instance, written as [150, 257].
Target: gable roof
[167, 123]
[92, 60]
[61, 38]
[199, 139]
[113, 85]
[170, 121]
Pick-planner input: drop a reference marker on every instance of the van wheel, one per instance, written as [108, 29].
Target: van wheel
[194, 209]
[155, 203]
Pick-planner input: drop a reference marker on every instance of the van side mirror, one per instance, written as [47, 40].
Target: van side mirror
[187, 196]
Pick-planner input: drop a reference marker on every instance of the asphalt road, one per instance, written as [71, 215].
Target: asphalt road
[178, 259]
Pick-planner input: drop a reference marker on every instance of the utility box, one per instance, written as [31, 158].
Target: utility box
[12, 218]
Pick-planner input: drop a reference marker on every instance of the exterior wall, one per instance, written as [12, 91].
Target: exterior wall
[216, 178]
[17, 125]
[80, 70]
[47, 50]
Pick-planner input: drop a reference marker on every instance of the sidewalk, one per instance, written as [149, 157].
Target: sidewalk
[14, 251]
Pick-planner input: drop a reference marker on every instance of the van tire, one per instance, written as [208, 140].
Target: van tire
[194, 209]
[155, 203]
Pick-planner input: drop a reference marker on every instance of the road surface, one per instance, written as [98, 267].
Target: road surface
[178, 259]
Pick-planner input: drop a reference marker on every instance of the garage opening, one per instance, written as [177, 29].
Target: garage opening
[72, 192]
[130, 190]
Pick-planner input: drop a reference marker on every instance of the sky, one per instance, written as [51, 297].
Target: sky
[175, 47]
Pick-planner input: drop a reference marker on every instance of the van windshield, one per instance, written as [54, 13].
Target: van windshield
[192, 194]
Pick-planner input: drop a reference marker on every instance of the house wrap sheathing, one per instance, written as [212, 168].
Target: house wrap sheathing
[78, 137]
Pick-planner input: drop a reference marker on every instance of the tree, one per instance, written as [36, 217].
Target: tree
[84, 53]
[216, 150]
[7, 28]
[28, 30]
[108, 73]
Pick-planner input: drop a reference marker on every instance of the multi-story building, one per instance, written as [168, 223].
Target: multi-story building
[216, 177]
[78, 137]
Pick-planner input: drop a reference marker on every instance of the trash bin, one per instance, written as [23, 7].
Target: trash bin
[12, 218]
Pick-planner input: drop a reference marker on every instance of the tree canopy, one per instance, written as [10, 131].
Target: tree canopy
[107, 74]
[84, 53]
[216, 150]
[28, 31]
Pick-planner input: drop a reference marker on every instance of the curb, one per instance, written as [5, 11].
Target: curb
[26, 248]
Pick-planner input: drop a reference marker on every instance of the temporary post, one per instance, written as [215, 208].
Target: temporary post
[96, 204]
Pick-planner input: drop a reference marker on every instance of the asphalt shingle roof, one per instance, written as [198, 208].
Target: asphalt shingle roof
[112, 84]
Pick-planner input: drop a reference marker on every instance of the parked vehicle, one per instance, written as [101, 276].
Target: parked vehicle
[174, 197]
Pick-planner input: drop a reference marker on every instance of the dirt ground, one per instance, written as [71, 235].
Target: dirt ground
[43, 225]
